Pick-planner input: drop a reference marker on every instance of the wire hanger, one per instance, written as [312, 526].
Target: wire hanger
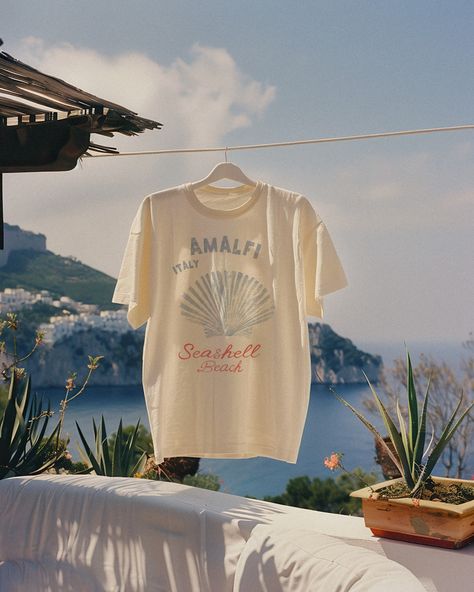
[224, 170]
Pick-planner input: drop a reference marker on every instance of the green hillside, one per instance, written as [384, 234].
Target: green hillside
[62, 276]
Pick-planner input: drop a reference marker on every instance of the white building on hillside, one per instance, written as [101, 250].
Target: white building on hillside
[61, 327]
[13, 299]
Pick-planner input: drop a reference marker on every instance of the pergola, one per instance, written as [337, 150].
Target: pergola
[46, 123]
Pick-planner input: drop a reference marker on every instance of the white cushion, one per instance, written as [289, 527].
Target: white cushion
[278, 559]
[46, 576]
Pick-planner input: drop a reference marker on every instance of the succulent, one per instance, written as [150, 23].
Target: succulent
[22, 433]
[113, 459]
[409, 439]
[25, 449]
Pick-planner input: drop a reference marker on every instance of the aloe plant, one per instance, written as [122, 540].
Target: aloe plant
[409, 439]
[22, 432]
[113, 459]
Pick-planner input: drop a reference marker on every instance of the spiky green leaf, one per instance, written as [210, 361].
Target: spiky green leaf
[413, 419]
[8, 421]
[117, 469]
[139, 465]
[90, 456]
[443, 441]
[403, 431]
[418, 450]
[394, 437]
[130, 448]
[105, 446]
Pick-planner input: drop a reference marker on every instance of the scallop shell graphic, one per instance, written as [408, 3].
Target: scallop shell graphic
[227, 303]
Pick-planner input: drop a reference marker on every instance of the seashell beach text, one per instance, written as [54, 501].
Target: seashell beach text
[213, 359]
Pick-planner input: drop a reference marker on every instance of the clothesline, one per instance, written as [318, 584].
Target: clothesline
[289, 143]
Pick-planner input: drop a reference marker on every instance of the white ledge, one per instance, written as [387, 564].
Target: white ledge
[86, 533]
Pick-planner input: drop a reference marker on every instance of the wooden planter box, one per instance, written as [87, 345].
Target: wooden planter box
[430, 523]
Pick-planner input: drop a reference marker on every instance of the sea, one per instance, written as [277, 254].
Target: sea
[330, 427]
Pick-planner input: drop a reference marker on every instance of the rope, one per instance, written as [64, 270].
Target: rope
[292, 143]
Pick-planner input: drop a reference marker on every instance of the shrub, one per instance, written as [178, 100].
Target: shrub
[325, 495]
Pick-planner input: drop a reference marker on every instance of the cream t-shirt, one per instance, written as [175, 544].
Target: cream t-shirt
[224, 279]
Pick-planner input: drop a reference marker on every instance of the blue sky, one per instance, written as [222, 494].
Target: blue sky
[219, 73]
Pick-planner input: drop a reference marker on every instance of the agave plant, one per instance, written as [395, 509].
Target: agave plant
[113, 459]
[414, 459]
[25, 449]
[22, 433]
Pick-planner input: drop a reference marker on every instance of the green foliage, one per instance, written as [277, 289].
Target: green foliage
[3, 398]
[143, 441]
[23, 448]
[409, 440]
[54, 450]
[203, 480]
[76, 467]
[62, 459]
[62, 276]
[325, 495]
[117, 459]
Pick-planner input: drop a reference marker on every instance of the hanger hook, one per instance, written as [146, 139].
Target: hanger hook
[225, 153]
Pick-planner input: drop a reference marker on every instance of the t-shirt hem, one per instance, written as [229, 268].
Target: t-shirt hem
[289, 457]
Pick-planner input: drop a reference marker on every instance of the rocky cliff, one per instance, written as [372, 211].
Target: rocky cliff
[121, 365]
[334, 359]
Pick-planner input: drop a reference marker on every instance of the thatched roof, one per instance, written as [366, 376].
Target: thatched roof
[29, 96]
[45, 123]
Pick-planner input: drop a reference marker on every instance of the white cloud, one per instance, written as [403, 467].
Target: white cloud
[199, 100]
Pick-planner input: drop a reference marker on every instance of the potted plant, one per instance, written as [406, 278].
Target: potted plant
[416, 507]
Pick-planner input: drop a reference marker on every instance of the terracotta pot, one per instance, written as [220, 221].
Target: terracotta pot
[430, 523]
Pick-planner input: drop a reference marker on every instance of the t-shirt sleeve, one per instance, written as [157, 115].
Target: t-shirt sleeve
[323, 271]
[133, 283]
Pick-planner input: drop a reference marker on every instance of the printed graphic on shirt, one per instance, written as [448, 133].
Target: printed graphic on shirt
[230, 360]
[214, 244]
[227, 303]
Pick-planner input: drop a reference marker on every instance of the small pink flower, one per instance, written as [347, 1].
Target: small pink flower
[416, 502]
[333, 462]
